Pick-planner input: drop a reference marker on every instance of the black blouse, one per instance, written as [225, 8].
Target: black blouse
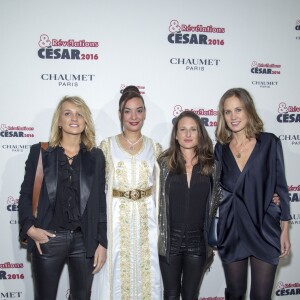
[187, 212]
[67, 206]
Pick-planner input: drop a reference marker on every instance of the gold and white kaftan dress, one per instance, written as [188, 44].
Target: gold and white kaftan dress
[131, 271]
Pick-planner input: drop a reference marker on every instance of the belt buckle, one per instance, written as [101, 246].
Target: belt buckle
[135, 194]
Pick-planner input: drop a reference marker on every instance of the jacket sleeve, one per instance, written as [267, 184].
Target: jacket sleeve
[26, 218]
[281, 184]
[217, 192]
[102, 225]
[218, 152]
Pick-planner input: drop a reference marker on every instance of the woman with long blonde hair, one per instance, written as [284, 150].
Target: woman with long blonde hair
[69, 225]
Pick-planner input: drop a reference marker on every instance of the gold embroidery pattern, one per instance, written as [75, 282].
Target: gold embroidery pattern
[133, 171]
[105, 149]
[135, 265]
[145, 251]
[158, 149]
[122, 177]
[135, 257]
[124, 231]
[128, 216]
[144, 176]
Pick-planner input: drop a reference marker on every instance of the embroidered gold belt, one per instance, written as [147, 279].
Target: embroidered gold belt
[135, 194]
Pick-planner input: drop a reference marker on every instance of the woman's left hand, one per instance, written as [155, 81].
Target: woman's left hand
[284, 240]
[99, 258]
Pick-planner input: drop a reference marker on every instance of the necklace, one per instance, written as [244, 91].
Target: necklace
[239, 152]
[132, 144]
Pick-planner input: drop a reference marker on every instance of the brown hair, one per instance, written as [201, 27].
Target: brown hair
[255, 124]
[87, 136]
[203, 151]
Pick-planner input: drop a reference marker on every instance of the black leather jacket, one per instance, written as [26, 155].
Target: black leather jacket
[163, 213]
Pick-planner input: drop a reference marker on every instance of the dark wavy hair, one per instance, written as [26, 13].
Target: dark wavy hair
[131, 91]
[173, 156]
[254, 126]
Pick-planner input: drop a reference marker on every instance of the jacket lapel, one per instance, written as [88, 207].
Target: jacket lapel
[87, 168]
[50, 165]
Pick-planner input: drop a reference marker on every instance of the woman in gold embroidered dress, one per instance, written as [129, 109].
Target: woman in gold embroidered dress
[132, 269]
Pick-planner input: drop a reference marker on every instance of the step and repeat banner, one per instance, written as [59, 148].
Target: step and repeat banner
[183, 55]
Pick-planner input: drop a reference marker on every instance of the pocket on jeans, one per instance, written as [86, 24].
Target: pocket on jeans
[49, 237]
[47, 246]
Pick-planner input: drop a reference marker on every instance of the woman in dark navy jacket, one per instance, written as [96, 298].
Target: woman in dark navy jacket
[251, 227]
[70, 225]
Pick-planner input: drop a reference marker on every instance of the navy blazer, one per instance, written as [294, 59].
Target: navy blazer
[92, 195]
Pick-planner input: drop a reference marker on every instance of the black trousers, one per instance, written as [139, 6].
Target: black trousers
[182, 276]
[67, 247]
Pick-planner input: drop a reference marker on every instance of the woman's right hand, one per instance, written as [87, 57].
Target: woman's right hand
[40, 236]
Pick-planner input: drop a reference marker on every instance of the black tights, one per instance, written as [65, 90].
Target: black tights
[182, 276]
[262, 279]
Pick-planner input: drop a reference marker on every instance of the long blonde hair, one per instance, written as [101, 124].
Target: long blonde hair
[87, 136]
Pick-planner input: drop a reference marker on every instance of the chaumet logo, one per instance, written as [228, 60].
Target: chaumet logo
[16, 148]
[195, 64]
[10, 295]
[64, 80]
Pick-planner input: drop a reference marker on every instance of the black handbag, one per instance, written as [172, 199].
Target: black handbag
[212, 238]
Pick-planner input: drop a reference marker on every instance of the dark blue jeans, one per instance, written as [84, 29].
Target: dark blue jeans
[66, 247]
